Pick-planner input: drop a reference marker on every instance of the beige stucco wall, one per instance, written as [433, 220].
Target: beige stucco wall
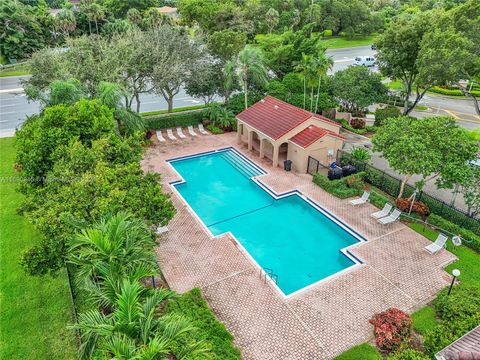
[298, 155]
[318, 150]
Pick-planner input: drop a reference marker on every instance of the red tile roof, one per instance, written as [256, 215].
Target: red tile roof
[309, 135]
[275, 118]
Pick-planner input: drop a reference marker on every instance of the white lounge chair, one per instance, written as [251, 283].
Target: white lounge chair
[382, 213]
[202, 129]
[438, 245]
[394, 215]
[361, 200]
[160, 136]
[170, 134]
[180, 133]
[191, 131]
[161, 230]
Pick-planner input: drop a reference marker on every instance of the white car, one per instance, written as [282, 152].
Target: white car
[364, 61]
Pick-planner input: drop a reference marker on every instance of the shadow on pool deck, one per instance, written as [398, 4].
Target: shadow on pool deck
[324, 320]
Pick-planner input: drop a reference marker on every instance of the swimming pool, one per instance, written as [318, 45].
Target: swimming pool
[290, 235]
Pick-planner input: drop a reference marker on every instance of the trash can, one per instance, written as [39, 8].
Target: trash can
[349, 170]
[287, 165]
[335, 173]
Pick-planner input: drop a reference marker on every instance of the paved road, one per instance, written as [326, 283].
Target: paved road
[14, 106]
[344, 58]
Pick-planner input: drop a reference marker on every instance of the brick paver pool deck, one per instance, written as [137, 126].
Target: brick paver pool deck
[320, 322]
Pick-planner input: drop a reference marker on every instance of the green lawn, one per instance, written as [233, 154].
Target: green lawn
[424, 320]
[15, 71]
[468, 261]
[362, 351]
[342, 42]
[34, 311]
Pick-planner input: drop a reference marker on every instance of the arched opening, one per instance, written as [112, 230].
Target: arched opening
[282, 153]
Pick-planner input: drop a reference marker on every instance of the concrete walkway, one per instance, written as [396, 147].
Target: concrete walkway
[320, 322]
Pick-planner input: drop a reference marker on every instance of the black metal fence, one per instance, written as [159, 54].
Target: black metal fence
[391, 186]
[315, 166]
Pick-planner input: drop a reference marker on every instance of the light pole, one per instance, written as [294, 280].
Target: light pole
[455, 273]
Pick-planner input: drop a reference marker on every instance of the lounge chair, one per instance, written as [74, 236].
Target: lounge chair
[170, 134]
[361, 200]
[202, 129]
[160, 136]
[191, 131]
[161, 230]
[438, 244]
[382, 213]
[180, 133]
[394, 215]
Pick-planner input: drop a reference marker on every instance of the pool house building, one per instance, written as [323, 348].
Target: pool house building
[280, 131]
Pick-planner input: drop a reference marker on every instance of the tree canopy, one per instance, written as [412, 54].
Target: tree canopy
[435, 147]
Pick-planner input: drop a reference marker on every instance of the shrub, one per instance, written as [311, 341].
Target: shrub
[451, 92]
[347, 126]
[471, 239]
[378, 200]
[193, 306]
[418, 207]
[327, 33]
[461, 304]
[389, 111]
[446, 333]
[459, 311]
[409, 354]
[236, 103]
[360, 154]
[391, 328]
[357, 123]
[340, 188]
[173, 120]
[214, 130]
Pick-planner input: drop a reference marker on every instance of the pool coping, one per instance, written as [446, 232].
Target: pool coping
[357, 262]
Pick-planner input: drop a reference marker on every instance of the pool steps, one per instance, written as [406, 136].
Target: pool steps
[240, 164]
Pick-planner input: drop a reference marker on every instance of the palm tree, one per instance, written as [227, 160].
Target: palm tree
[118, 243]
[247, 66]
[304, 67]
[111, 95]
[323, 63]
[135, 330]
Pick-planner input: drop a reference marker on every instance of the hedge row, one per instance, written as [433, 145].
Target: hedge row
[342, 188]
[471, 239]
[193, 306]
[451, 92]
[174, 120]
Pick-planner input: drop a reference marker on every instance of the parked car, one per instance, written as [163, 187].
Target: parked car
[373, 47]
[364, 61]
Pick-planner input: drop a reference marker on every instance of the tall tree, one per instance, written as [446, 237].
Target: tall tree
[432, 147]
[272, 18]
[247, 69]
[226, 44]
[181, 56]
[423, 53]
[323, 63]
[21, 31]
[356, 88]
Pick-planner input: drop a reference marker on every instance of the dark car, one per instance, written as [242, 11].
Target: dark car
[373, 47]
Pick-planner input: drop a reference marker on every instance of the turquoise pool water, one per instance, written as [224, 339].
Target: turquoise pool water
[289, 236]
